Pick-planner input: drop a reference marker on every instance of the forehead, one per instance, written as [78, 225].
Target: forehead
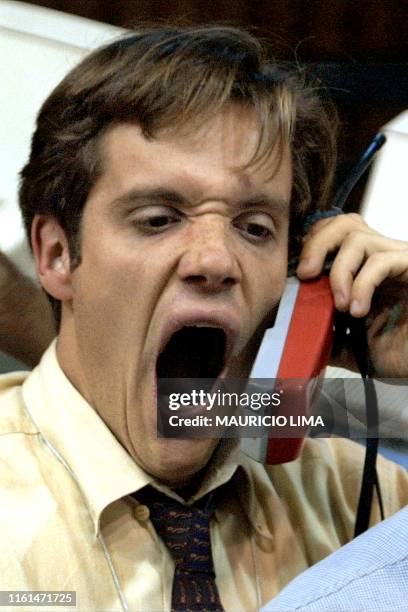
[211, 159]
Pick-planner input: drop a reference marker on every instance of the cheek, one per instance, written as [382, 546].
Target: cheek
[267, 279]
[270, 294]
[107, 291]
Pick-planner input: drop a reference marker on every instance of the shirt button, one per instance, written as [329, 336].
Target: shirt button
[142, 512]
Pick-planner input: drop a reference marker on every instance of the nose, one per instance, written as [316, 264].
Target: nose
[209, 261]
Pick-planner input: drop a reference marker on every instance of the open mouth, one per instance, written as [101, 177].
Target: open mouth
[193, 352]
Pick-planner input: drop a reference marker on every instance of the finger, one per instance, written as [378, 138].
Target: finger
[354, 250]
[349, 221]
[316, 227]
[344, 269]
[325, 237]
[378, 267]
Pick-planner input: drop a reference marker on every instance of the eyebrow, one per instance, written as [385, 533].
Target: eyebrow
[276, 203]
[164, 197]
[153, 196]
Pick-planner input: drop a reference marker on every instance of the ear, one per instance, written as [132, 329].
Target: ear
[53, 264]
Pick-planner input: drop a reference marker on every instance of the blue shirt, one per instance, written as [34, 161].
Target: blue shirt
[370, 574]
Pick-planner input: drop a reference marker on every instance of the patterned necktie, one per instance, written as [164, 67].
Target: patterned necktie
[186, 532]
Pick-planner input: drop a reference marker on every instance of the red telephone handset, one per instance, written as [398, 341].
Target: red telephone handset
[298, 346]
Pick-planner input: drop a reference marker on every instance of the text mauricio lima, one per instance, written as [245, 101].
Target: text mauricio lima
[250, 420]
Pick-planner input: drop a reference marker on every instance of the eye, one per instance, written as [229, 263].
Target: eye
[156, 219]
[255, 226]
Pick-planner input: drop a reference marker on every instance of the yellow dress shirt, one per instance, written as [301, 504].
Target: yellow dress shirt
[68, 521]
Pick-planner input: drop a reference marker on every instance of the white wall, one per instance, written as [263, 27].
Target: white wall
[37, 48]
[385, 202]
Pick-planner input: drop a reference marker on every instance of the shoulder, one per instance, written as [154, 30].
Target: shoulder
[355, 573]
[19, 442]
[21, 451]
[14, 418]
[26, 501]
[329, 473]
[320, 491]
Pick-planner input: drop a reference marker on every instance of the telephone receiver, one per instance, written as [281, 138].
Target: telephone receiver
[297, 348]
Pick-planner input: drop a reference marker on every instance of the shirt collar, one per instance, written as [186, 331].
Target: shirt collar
[101, 467]
[72, 429]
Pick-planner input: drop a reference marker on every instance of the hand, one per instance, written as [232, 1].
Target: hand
[369, 277]
[26, 322]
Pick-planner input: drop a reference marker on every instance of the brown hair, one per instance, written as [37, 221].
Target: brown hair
[179, 77]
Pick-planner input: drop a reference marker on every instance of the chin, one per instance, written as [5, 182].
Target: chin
[181, 461]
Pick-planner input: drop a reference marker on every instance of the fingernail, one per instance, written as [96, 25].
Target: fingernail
[303, 262]
[355, 307]
[306, 265]
[339, 299]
